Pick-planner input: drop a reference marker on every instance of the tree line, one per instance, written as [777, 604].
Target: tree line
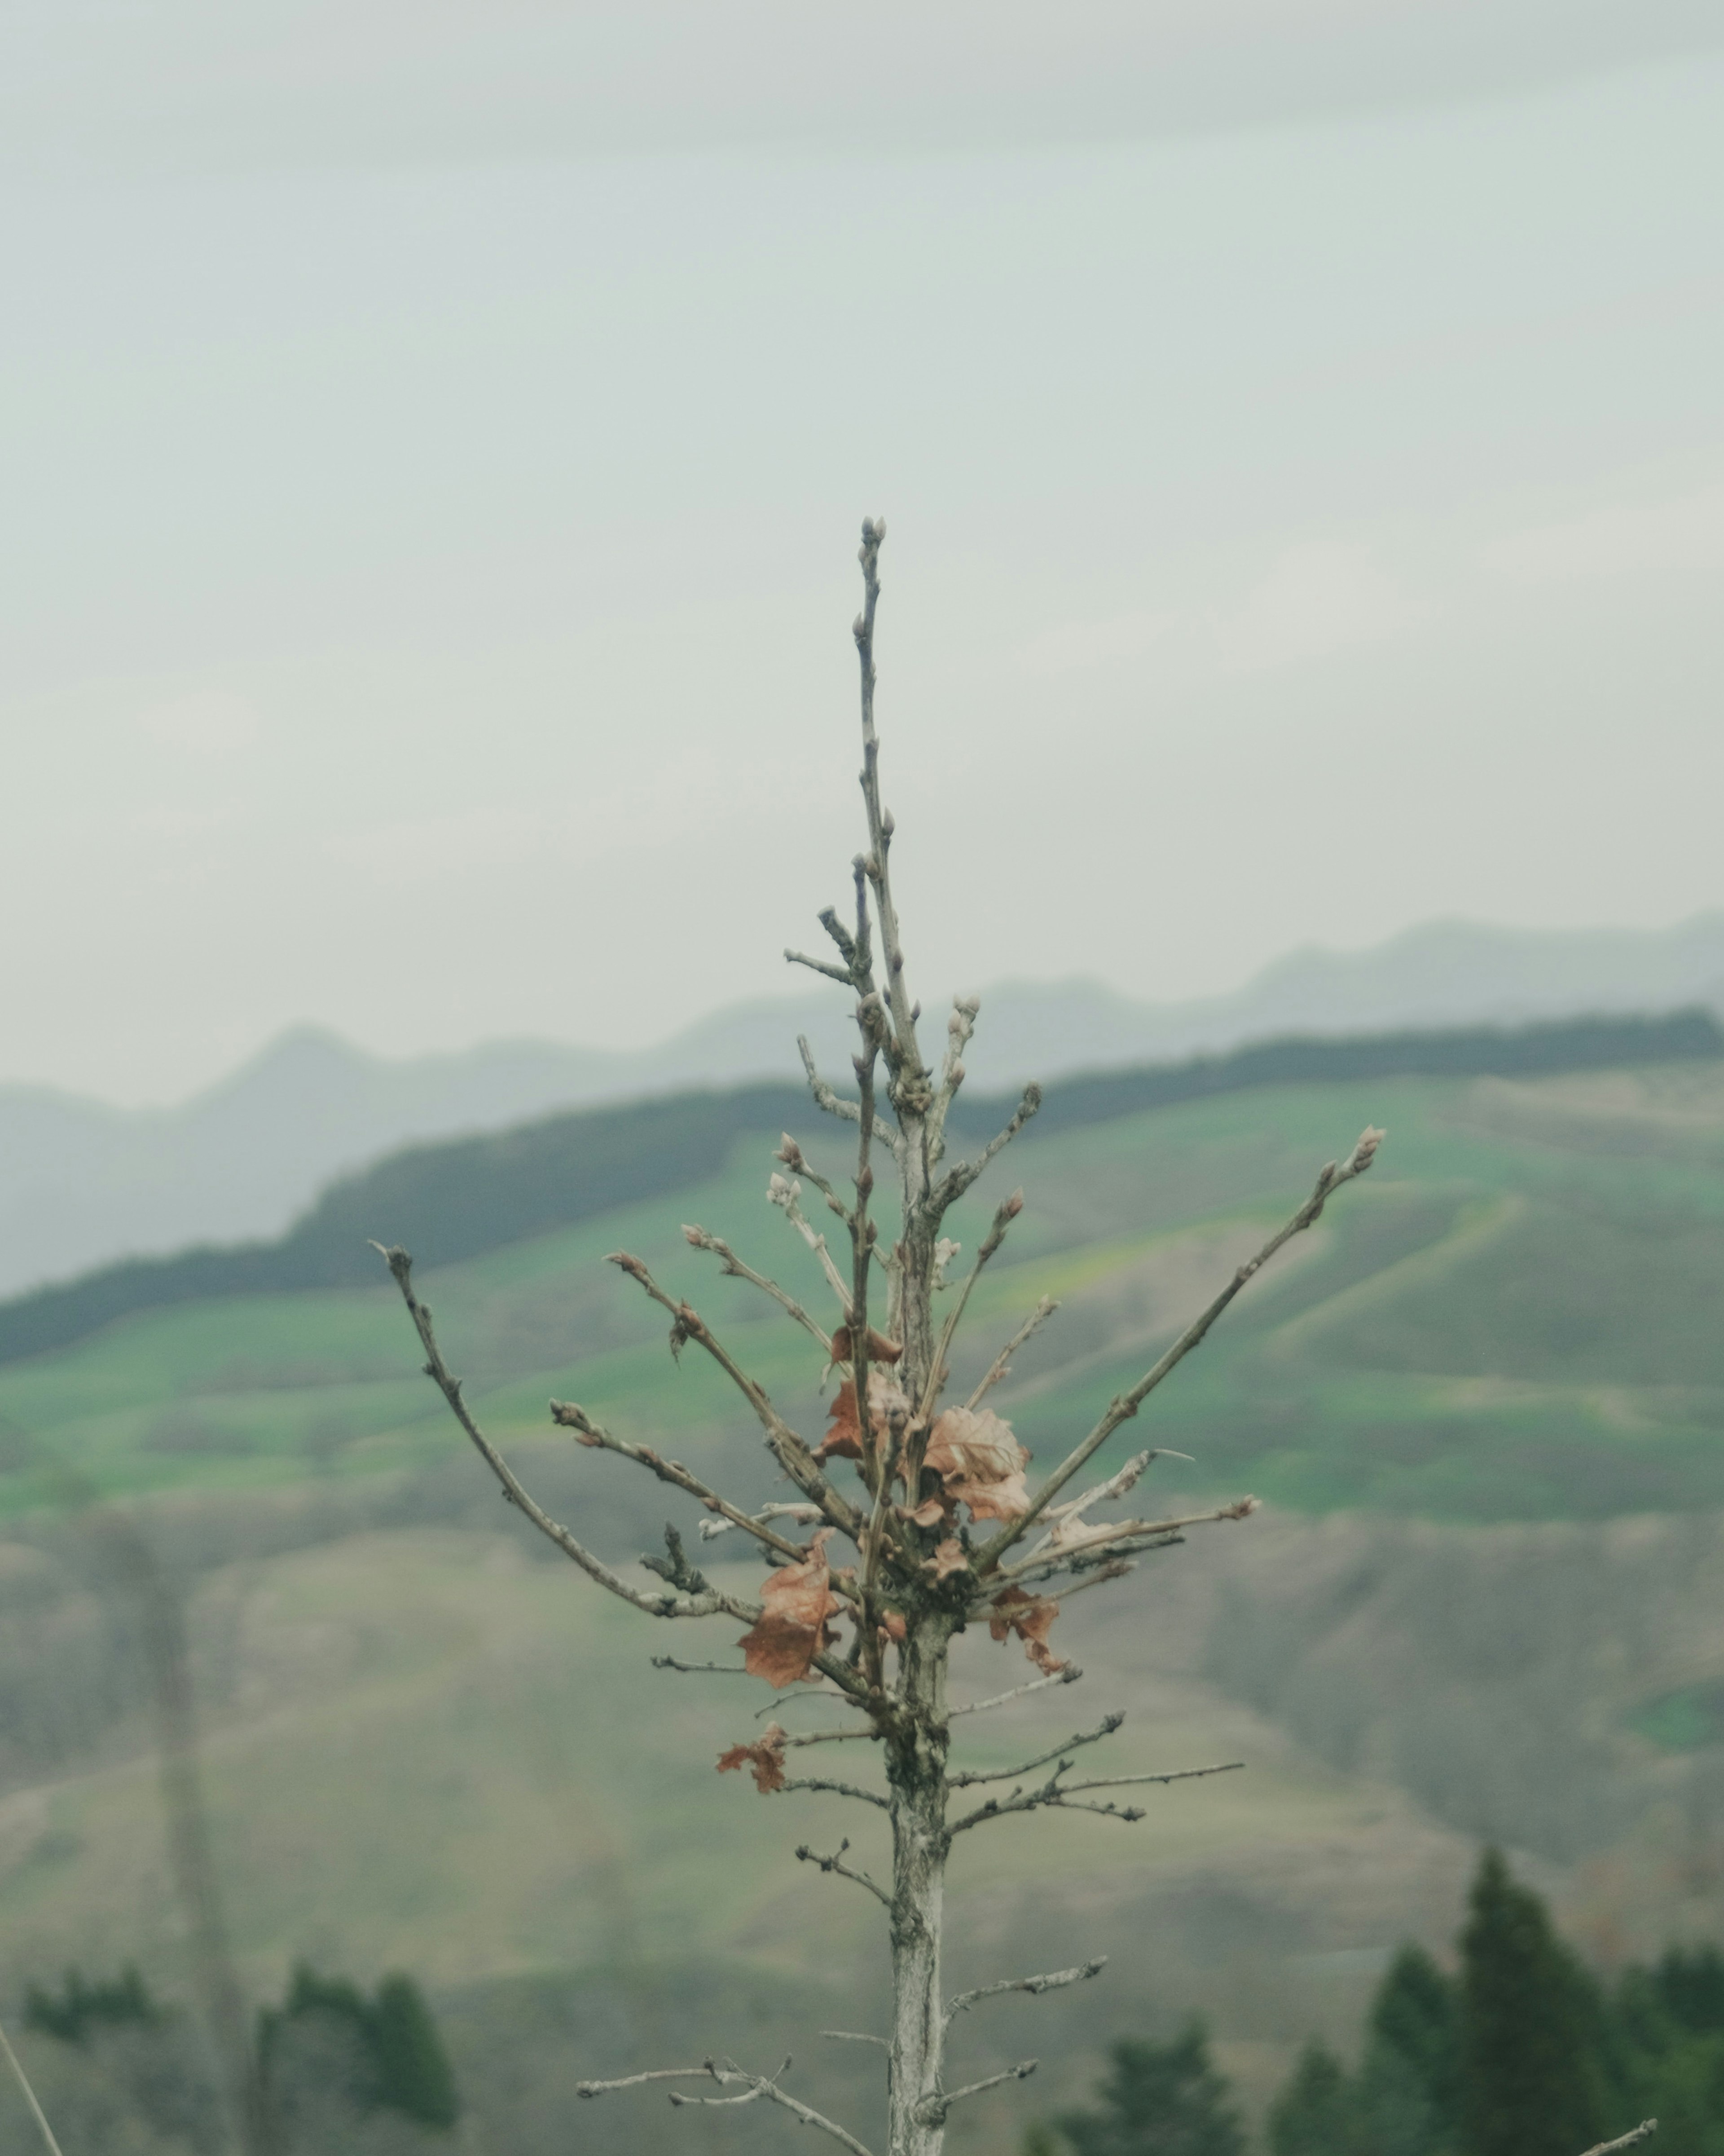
[454, 1199]
[1521, 2050]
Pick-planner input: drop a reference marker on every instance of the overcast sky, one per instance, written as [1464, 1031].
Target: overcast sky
[435, 437]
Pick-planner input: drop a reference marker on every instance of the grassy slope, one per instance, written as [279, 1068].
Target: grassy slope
[426, 1750]
[1514, 1317]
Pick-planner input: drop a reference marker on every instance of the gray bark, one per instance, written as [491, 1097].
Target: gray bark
[916, 1773]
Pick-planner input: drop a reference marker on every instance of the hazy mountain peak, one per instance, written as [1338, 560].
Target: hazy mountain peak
[82, 1182]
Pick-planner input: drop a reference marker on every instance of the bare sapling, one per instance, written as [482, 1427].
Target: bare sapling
[934, 1531]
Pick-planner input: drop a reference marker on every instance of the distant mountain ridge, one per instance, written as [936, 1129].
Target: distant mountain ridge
[466, 1196]
[82, 1184]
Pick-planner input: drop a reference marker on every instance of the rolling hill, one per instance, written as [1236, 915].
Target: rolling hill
[1516, 1317]
[430, 1745]
[465, 1196]
[83, 1182]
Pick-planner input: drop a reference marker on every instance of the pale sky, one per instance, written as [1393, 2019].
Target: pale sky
[434, 439]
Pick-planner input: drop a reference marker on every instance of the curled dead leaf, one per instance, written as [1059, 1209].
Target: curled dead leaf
[981, 1463]
[949, 1557]
[879, 1348]
[792, 1627]
[1031, 1617]
[887, 1401]
[765, 1756]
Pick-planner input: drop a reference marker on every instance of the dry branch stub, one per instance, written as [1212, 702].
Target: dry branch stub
[869, 1582]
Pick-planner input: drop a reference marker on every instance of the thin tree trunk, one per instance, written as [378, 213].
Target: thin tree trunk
[917, 1771]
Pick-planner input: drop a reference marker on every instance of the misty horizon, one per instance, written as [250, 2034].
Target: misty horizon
[430, 570]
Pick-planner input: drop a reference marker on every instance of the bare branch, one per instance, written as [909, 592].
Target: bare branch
[850, 948]
[1126, 1814]
[1055, 1794]
[1004, 1215]
[568, 1414]
[797, 1162]
[1643, 2131]
[1070, 1674]
[700, 1669]
[853, 2036]
[708, 1603]
[732, 1264]
[960, 1030]
[760, 2085]
[834, 1863]
[1132, 1781]
[1127, 1404]
[791, 1454]
[755, 2086]
[833, 1104]
[1035, 1985]
[805, 1515]
[709, 2071]
[966, 1781]
[831, 1736]
[841, 974]
[903, 1056]
[1066, 1517]
[1115, 1567]
[835, 1789]
[1133, 1533]
[957, 1180]
[931, 2110]
[856, 1698]
[1001, 1363]
[877, 1457]
[785, 1194]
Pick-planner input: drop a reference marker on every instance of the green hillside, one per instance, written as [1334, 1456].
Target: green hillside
[1516, 1316]
[458, 1197]
[428, 1744]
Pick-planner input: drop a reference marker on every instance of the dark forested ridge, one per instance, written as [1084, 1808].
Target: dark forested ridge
[457, 1198]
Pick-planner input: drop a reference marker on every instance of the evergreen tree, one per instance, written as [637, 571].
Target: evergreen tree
[1531, 2028]
[81, 2006]
[1416, 2015]
[1317, 2113]
[390, 2054]
[1665, 2056]
[414, 2076]
[1160, 2100]
[1689, 1987]
[1409, 2083]
[1684, 2090]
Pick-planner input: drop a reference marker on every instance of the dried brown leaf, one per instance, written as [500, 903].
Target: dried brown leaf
[792, 1627]
[879, 1348]
[765, 1756]
[780, 1652]
[949, 1557]
[981, 1463]
[930, 1512]
[886, 1400]
[1031, 1617]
